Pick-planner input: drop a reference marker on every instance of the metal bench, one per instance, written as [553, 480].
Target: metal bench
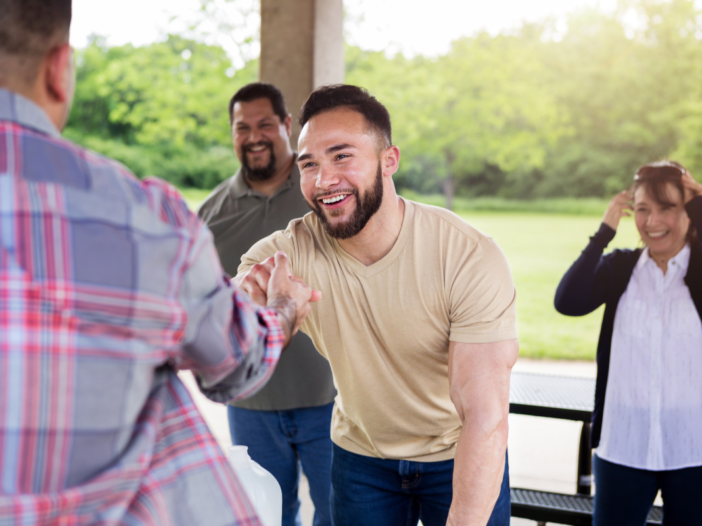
[569, 398]
[562, 397]
[576, 510]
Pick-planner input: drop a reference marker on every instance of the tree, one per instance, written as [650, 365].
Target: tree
[479, 109]
[166, 94]
[160, 109]
[629, 93]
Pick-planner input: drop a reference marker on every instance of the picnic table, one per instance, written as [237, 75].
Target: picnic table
[568, 398]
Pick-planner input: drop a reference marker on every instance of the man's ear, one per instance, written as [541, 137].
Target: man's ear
[59, 73]
[288, 124]
[391, 160]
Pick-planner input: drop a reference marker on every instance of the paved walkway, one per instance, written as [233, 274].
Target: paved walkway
[543, 452]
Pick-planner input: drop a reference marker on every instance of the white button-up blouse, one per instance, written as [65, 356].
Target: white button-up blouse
[653, 406]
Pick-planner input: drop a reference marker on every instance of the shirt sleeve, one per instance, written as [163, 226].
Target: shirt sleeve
[482, 296]
[585, 286]
[231, 344]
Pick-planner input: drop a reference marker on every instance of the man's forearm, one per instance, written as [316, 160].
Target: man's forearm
[478, 471]
[247, 354]
[479, 377]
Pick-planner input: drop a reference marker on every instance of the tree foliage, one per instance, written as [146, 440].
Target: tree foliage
[529, 114]
[161, 109]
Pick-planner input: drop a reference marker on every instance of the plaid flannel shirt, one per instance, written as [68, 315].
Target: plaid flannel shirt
[108, 285]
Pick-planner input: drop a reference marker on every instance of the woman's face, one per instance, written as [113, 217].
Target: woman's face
[662, 228]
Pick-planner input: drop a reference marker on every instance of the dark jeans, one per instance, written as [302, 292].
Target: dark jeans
[624, 496]
[282, 440]
[369, 491]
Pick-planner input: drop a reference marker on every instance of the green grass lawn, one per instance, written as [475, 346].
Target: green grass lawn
[540, 244]
[540, 248]
[194, 196]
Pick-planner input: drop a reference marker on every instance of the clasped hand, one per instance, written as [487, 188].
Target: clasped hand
[271, 284]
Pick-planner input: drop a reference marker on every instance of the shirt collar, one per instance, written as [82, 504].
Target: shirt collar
[19, 109]
[680, 261]
[239, 187]
[644, 258]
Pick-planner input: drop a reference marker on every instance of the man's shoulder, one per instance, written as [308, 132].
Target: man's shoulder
[306, 230]
[436, 221]
[111, 180]
[303, 236]
[214, 202]
[463, 246]
[85, 159]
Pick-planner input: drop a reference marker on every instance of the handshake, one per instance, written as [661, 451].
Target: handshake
[271, 284]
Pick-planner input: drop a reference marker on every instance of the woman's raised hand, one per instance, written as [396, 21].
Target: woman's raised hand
[692, 187]
[618, 207]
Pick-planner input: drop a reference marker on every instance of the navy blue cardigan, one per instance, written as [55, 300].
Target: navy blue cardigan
[595, 279]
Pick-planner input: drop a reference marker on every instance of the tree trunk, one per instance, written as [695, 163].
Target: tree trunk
[449, 191]
[449, 183]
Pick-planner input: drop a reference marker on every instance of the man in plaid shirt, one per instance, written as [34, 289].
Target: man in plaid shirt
[108, 285]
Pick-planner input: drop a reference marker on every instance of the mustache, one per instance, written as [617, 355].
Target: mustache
[322, 195]
[248, 147]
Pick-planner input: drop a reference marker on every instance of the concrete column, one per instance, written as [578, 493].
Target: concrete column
[302, 48]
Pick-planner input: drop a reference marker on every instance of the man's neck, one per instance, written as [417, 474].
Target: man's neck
[378, 237]
[269, 186]
[34, 91]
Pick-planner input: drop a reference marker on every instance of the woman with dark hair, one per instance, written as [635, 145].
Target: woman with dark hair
[647, 422]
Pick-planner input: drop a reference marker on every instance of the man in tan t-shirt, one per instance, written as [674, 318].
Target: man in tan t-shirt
[417, 320]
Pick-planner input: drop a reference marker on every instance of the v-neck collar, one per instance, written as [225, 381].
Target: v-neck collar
[367, 271]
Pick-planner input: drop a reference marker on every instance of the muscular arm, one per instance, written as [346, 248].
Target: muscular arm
[479, 379]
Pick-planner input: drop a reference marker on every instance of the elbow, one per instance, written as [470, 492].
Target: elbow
[488, 424]
[566, 303]
[561, 305]
[496, 430]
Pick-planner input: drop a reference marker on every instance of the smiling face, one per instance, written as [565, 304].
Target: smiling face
[341, 171]
[662, 227]
[261, 140]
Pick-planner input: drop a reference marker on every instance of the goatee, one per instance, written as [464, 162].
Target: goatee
[366, 207]
[258, 174]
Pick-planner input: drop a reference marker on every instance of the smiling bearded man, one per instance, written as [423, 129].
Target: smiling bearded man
[417, 321]
[261, 198]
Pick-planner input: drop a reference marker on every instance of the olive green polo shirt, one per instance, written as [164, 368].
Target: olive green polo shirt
[239, 217]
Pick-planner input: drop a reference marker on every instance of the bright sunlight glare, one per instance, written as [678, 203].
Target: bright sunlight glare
[408, 26]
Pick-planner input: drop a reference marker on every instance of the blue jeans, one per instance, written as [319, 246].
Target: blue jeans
[624, 496]
[369, 491]
[282, 440]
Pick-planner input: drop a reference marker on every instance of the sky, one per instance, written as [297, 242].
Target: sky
[409, 26]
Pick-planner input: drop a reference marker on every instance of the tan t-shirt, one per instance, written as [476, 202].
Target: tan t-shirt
[385, 328]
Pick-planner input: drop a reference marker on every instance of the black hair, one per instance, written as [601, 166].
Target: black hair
[29, 27]
[28, 31]
[654, 178]
[335, 96]
[259, 90]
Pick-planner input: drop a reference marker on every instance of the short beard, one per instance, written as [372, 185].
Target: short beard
[258, 174]
[366, 208]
